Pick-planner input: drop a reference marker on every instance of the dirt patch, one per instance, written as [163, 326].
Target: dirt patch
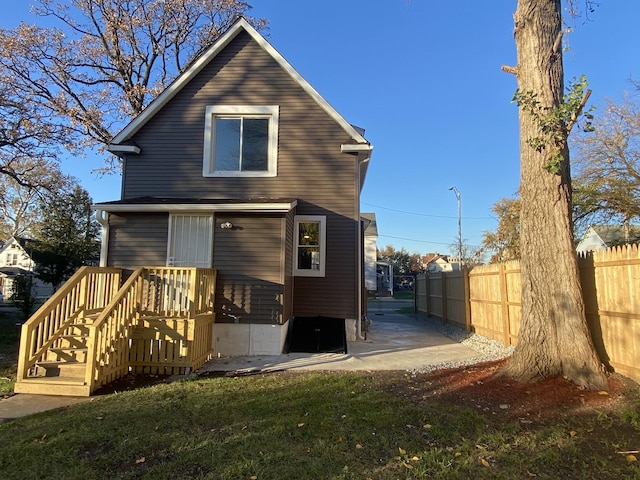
[478, 386]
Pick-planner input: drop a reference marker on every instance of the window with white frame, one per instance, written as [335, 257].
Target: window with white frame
[241, 141]
[310, 245]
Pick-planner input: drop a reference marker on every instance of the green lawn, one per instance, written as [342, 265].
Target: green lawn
[310, 426]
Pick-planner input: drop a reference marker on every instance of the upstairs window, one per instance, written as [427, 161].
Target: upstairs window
[241, 141]
[310, 245]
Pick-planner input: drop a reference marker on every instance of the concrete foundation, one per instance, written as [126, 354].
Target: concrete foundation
[237, 339]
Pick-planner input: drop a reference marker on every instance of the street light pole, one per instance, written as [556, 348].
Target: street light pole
[457, 192]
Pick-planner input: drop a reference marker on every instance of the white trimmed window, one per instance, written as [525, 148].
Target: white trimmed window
[241, 141]
[310, 245]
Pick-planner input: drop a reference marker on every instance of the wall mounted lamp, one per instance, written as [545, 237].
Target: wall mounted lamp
[226, 225]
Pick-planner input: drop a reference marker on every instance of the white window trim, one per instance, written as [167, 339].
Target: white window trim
[322, 220]
[272, 156]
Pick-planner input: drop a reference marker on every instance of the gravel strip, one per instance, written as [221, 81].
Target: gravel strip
[487, 348]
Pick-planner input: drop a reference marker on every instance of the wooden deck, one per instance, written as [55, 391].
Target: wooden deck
[97, 329]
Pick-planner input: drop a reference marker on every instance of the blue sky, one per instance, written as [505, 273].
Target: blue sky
[423, 78]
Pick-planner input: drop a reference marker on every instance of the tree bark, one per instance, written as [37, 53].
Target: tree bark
[554, 337]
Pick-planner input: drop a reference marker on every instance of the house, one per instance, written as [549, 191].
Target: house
[240, 165]
[435, 262]
[18, 256]
[598, 237]
[240, 205]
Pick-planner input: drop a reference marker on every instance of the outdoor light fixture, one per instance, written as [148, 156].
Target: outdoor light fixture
[226, 225]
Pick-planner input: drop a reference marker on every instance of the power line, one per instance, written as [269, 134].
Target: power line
[426, 214]
[426, 241]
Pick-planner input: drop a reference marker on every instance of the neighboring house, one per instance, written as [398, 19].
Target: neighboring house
[370, 251]
[599, 237]
[434, 262]
[18, 257]
[242, 166]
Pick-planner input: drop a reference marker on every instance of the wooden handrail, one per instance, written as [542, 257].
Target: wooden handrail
[50, 321]
[117, 317]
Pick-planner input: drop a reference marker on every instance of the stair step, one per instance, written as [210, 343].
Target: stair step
[61, 363]
[56, 380]
[68, 349]
[52, 386]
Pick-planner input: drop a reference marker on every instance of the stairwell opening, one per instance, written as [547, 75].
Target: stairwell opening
[316, 335]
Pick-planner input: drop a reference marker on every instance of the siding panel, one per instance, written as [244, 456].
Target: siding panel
[138, 240]
[249, 286]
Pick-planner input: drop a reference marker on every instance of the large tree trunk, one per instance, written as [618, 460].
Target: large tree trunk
[554, 338]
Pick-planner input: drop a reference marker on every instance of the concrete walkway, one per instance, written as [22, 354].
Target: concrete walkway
[395, 342]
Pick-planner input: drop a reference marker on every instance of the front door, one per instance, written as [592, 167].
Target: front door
[190, 241]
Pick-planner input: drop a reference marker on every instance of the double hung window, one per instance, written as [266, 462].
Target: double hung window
[310, 245]
[241, 141]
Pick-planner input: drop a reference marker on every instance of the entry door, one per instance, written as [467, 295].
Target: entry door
[190, 241]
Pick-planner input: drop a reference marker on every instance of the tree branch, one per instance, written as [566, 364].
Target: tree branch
[577, 113]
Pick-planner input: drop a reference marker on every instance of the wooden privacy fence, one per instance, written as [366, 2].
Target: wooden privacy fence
[486, 300]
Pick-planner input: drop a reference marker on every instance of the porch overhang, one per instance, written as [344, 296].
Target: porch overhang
[157, 205]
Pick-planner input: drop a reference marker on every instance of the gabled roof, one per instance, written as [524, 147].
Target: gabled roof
[371, 226]
[119, 141]
[612, 235]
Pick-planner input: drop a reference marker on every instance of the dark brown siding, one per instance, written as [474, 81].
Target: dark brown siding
[248, 258]
[138, 240]
[311, 166]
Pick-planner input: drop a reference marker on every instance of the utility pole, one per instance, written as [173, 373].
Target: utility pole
[457, 192]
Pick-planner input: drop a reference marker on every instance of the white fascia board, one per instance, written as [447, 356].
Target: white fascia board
[197, 66]
[359, 147]
[113, 148]
[189, 207]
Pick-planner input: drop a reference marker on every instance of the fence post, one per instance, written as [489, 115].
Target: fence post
[467, 298]
[427, 287]
[444, 296]
[504, 304]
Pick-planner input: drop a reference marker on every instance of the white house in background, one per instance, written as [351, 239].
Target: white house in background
[599, 237]
[370, 250]
[434, 262]
[17, 258]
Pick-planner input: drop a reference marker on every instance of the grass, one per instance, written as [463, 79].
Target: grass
[309, 426]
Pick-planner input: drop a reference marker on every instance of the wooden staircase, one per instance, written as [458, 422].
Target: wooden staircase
[92, 331]
[63, 367]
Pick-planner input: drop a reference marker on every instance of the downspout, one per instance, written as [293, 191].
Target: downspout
[363, 152]
[360, 262]
[103, 219]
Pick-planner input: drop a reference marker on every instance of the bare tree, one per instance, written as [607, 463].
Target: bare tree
[607, 178]
[554, 338]
[20, 201]
[107, 59]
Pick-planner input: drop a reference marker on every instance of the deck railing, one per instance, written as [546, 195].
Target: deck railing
[87, 291]
[160, 322]
[108, 342]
